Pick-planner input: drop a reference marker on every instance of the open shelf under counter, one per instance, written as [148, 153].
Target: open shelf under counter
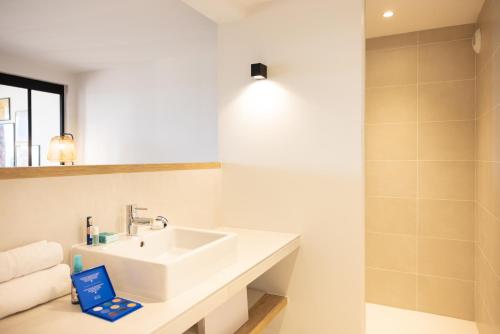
[263, 308]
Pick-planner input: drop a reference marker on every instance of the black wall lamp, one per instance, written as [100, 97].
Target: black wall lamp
[259, 71]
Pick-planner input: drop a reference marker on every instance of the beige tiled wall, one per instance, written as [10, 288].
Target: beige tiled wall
[488, 172]
[420, 130]
[55, 208]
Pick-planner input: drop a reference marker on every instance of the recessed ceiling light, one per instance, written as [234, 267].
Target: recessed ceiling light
[388, 14]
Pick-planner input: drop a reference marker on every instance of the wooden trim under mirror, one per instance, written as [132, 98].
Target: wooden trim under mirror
[55, 171]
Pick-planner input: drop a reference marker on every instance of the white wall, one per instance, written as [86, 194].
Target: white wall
[292, 152]
[160, 111]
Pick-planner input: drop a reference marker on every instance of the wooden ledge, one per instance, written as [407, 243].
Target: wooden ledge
[262, 313]
[55, 171]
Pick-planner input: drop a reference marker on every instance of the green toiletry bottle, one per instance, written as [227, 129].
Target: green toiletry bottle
[77, 267]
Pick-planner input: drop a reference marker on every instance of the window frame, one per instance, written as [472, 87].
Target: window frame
[39, 85]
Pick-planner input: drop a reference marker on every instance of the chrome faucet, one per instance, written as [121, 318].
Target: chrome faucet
[133, 219]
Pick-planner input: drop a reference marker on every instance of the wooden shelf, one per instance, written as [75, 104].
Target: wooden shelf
[262, 313]
[54, 171]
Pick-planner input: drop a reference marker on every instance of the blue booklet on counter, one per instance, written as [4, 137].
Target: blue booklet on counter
[97, 296]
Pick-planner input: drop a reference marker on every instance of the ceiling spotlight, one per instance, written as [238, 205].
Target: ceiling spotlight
[388, 14]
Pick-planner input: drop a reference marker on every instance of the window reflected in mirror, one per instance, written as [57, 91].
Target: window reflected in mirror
[31, 113]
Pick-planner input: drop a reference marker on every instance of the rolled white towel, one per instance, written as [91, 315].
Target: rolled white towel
[7, 267]
[28, 291]
[28, 259]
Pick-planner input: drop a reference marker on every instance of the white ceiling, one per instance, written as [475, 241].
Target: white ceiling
[221, 11]
[83, 35]
[415, 15]
[94, 34]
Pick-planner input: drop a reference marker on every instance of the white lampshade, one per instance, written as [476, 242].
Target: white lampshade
[62, 149]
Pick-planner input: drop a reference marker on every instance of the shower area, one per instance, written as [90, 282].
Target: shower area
[432, 143]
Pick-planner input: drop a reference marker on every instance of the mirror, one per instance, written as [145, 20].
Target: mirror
[124, 84]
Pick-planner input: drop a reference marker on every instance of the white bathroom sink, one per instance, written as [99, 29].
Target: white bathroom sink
[162, 264]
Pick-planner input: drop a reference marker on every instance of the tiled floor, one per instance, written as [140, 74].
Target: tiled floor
[388, 320]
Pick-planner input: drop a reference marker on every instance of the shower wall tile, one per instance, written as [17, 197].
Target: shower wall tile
[391, 288]
[488, 22]
[488, 192]
[446, 296]
[446, 219]
[446, 61]
[484, 142]
[488, 226]
[420, 152]
[446, 258]
[391, 252]
[495, 188]
[484, 176]
[488, 284]
[396, 141]
[391, 104]
[392, 42]
[446, 180]
[488, 172]
[465, 31]
[485, 89]
[483, 319]
[391, 178]
[446, 140]
[495, 80]
[489, 85]
[447, 101]
[391, 67]
[391, 215]
[495, 128]
[488, 140]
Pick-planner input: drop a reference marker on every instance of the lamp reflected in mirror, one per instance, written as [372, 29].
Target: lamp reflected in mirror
[62, 149]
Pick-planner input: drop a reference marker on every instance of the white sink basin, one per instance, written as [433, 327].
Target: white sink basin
[162, 264]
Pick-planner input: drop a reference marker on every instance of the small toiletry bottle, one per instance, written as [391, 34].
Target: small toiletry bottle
[77, 267]
[89, 230]
[95, 235]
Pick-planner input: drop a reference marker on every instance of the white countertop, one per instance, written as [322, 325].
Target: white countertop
[258, 251]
